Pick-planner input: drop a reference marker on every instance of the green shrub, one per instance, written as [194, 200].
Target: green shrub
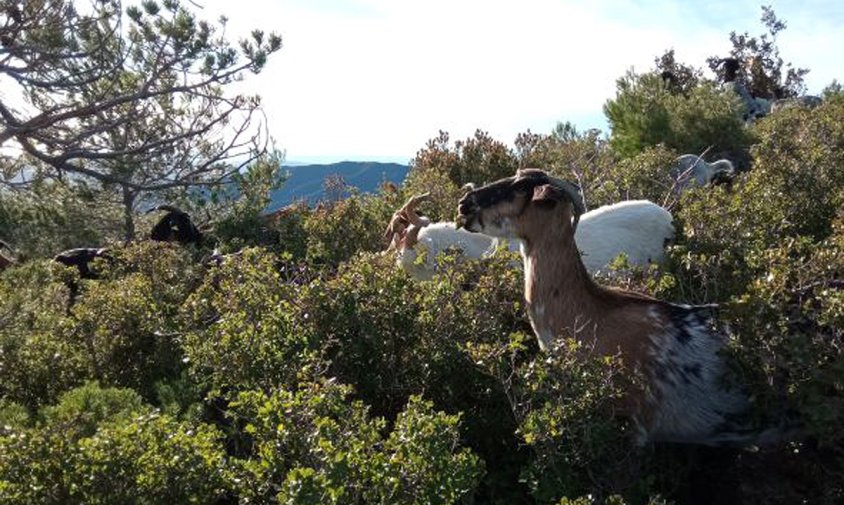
[478, 159]
[313, 446]
[794, 190]
[127, 322]
[390, 338]
[244, 330]
[104, 445]
[565, 402]
[152, 459]
[644, 176]
[789, 325]
[338, 231]
[645, 113]
[80, 411]
[37, 361]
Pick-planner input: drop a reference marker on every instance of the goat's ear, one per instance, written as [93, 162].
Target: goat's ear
[547, 195]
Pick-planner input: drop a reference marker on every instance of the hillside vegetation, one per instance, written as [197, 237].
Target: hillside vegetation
[306, 368]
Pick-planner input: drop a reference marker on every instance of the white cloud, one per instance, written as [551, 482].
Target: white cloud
[368, 78]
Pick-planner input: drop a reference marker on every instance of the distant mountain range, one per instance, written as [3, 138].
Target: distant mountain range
[305, 182]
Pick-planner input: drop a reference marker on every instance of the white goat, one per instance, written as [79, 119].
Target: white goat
[691, 169]
[638, 228]
[411, 235]
[675, 346]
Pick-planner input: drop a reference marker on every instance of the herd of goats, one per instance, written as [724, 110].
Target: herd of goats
[674, 347]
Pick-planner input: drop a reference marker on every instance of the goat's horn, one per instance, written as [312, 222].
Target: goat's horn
[572, 191]
[416, 200]
[409, 209]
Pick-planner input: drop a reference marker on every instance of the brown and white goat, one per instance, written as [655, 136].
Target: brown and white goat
[675, 347]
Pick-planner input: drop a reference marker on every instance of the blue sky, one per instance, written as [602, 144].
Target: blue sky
[375, 79]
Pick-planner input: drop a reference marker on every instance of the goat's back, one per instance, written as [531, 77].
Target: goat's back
[438, 238]
[638, 228]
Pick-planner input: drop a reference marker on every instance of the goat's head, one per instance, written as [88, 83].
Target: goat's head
[512, 207]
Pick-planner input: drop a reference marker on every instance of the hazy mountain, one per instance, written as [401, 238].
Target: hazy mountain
[305, 182]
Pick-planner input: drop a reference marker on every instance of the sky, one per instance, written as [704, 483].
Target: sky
[374, 80]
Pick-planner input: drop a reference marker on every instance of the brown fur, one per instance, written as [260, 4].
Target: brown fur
[562, 299]
[673, 348]
[611, 320]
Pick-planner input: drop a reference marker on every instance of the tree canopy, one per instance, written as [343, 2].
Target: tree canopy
[133, 101]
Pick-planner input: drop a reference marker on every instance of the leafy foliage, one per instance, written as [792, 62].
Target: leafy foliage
[763, 69]
[645, 113]
[337, 231]
[303, 367]
[314, 447]
[105, 446]
[244, 330]
[565, 404]
[52, 217]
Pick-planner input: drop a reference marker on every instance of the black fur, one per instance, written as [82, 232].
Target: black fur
[175, 226]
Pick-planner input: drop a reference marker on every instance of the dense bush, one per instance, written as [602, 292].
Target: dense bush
[565, 404]
[645, 113]
[244, 327]
[37, 361]
[121, 330]
[308, 369]
[477, 159]
[106, 446]
[339, 230]
[314, 447]
[127, 322]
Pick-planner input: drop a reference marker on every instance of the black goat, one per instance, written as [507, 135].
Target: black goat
[80, 258]
[175, 226]
[731, 68]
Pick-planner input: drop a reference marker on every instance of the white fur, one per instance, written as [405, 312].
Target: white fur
[638, 228]
[435, 239]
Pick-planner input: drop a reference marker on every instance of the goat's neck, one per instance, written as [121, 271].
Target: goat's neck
[561, 296]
